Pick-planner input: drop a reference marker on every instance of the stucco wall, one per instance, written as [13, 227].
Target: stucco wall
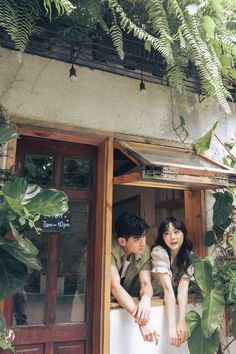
[126, 338]
[40, 88]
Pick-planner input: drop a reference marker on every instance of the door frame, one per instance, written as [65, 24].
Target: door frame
[103, 230]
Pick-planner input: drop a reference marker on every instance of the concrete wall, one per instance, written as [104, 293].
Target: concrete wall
[40, 89]
[126, 338]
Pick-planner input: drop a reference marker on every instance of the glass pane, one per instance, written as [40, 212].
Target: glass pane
[72, 263]
[76, 173]
[38, 169]
[29, 302]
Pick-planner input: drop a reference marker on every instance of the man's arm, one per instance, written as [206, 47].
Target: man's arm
[120, 294]
[142, 314]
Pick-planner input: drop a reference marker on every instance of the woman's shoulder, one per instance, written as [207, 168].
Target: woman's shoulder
[159, 251]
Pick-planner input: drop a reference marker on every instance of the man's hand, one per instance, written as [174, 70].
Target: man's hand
[182, 331]
[149, 333]
[142, 313]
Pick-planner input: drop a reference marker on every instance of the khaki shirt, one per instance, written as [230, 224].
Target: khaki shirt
[138, 262]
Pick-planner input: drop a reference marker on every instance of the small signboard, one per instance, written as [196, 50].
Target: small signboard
[57, 223]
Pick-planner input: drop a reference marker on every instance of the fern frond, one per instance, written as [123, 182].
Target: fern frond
[19, 20]
[117, 40]
[159, 22]
[129, 26]
[62, 7]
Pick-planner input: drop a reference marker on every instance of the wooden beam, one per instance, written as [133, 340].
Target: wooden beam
[103, 242]
[195, 219]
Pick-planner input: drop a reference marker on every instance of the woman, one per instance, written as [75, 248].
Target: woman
[173, 270]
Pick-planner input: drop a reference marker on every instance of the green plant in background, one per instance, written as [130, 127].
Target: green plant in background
[21, 206]
[200, 32]
[216, 276]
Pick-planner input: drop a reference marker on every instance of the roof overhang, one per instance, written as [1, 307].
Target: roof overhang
[171, 167]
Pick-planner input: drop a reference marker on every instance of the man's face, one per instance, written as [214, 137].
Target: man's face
[133, 245]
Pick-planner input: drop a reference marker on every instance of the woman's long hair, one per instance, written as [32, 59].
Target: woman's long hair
[183, 260]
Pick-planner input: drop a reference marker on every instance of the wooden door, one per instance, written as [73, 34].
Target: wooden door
[53, 313]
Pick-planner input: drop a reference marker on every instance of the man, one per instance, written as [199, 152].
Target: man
[130, 272]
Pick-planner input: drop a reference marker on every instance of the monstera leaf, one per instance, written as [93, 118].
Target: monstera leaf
[197, 342]
[203, 272]
[212, 310]
[13, 274]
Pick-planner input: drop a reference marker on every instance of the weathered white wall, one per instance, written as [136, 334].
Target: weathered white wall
[40, 88]
[126, 338]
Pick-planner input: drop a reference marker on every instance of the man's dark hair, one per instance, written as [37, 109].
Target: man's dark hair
[130, 225]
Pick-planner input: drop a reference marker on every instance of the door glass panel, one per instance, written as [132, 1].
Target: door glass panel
[72, 264]
[76, 173]
[38, 169]
[29, 302]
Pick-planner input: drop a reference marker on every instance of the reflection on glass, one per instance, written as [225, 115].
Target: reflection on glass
[72, 262]
[76, 173]
[29, 302]
[38, 169]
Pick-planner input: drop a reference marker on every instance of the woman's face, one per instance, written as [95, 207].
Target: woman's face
[173, 239]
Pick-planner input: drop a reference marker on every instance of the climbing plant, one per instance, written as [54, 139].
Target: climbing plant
[200, 32]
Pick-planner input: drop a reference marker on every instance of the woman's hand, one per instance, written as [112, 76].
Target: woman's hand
[182, 331]
[174, 338]
[149, 333]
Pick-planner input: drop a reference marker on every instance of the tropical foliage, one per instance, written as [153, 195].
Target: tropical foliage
[200, 32]
[216, 276]
[21, 206]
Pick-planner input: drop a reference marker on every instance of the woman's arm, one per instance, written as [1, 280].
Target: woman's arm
[182, 329]
[170, 304]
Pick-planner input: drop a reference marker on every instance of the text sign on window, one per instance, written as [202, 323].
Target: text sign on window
[55, 223]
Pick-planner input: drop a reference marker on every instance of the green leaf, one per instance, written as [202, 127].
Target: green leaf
[13, 275]
[16, 251]
[197, 342]
[203, 144]
[18, 193]
[7, 134]
[233, 74]
[212, 310]
[182, 120]
[219, 230]
[148, 46]
[209, 26]
[48, 203]
[203, 273]
[26, 244]
[209, 239]
[217, 6]
[226, 61]
[222, 208]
